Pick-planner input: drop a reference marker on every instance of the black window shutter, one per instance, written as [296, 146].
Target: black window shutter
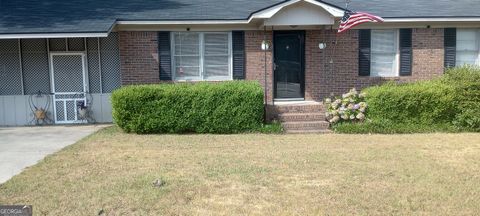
[164, 56]
[406, 52]
[450, 42]
[238, 45]
[364, 44]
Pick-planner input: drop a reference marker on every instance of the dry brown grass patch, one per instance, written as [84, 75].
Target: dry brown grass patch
[255, 174]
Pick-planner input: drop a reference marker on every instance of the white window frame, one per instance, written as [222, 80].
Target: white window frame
[201, 45]
[397, 54]
[477, 31]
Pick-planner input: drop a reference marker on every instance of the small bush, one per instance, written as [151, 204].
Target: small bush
[226, 107]
[351, 107]
[272, 128]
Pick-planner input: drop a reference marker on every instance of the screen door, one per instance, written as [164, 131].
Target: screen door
[69, 85]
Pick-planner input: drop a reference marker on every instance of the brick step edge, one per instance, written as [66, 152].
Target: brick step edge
[298, 109]
[306, 125]
[308, 131]
[295, 117]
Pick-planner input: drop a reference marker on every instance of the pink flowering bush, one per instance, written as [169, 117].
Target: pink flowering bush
[351, 107]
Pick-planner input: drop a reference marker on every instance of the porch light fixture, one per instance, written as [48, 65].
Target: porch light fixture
[322, 46]
[265, 45]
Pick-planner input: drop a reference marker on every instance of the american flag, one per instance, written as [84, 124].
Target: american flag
[351, 19]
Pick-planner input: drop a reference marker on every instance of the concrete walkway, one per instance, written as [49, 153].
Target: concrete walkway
[21, 147]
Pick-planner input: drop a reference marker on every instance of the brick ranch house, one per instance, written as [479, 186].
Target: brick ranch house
[65, 56]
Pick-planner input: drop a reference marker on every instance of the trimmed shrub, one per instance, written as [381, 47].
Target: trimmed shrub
[226, 107]
[450, 103]
[466, 82]
[425, 102]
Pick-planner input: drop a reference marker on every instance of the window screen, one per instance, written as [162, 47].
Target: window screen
[201, 56]
[384, 53]
[467, 46]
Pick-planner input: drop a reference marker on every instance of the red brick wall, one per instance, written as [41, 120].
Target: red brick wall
[428, 53]
[324, 78]
[255, 60]
[333, 70]
[138, 52]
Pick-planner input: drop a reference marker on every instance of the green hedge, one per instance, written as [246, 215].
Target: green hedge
[447, 104]
[426, 102]
[226, 107]
[466, 82]
[391, 127]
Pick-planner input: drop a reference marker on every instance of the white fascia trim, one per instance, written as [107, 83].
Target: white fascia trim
[189, 22]
[54, 35]
[447, 19]
[270, 12]
[336, 12]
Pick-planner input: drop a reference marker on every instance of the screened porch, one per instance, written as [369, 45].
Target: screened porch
[58, 80]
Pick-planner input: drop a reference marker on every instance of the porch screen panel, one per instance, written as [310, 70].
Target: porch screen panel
[76, 44]
[216, 55]
[60, 115]
[94, 76]
[58, 44]
[110, 63]
[36, 74]
[68, 74]
[10, 74]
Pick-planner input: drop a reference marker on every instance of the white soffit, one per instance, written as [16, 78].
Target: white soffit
[301, 13]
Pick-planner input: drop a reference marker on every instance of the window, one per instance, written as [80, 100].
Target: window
[384, 53]
[467, 46]
[202, 56]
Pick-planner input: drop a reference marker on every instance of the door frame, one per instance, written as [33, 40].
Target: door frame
[52, 83]
[302, 34]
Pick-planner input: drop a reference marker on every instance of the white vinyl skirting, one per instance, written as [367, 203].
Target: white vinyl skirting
[15, 110]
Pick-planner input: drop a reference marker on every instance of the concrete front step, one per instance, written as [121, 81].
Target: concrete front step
[316, 108]
[296, 117]
[308, 131]
[306, 117]
[306, 125]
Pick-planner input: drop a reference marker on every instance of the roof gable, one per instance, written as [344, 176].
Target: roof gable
[301, 13]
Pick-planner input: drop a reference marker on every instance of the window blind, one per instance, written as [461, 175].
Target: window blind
[467, 46]
[384, 49]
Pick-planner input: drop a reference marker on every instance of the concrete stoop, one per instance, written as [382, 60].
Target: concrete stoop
[301, 118]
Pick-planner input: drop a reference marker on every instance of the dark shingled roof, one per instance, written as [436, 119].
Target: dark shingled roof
[90, 16]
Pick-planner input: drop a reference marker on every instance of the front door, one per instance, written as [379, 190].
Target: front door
[289, 64]
[68, 85]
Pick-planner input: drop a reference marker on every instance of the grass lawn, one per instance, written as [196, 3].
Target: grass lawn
[255, 174]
